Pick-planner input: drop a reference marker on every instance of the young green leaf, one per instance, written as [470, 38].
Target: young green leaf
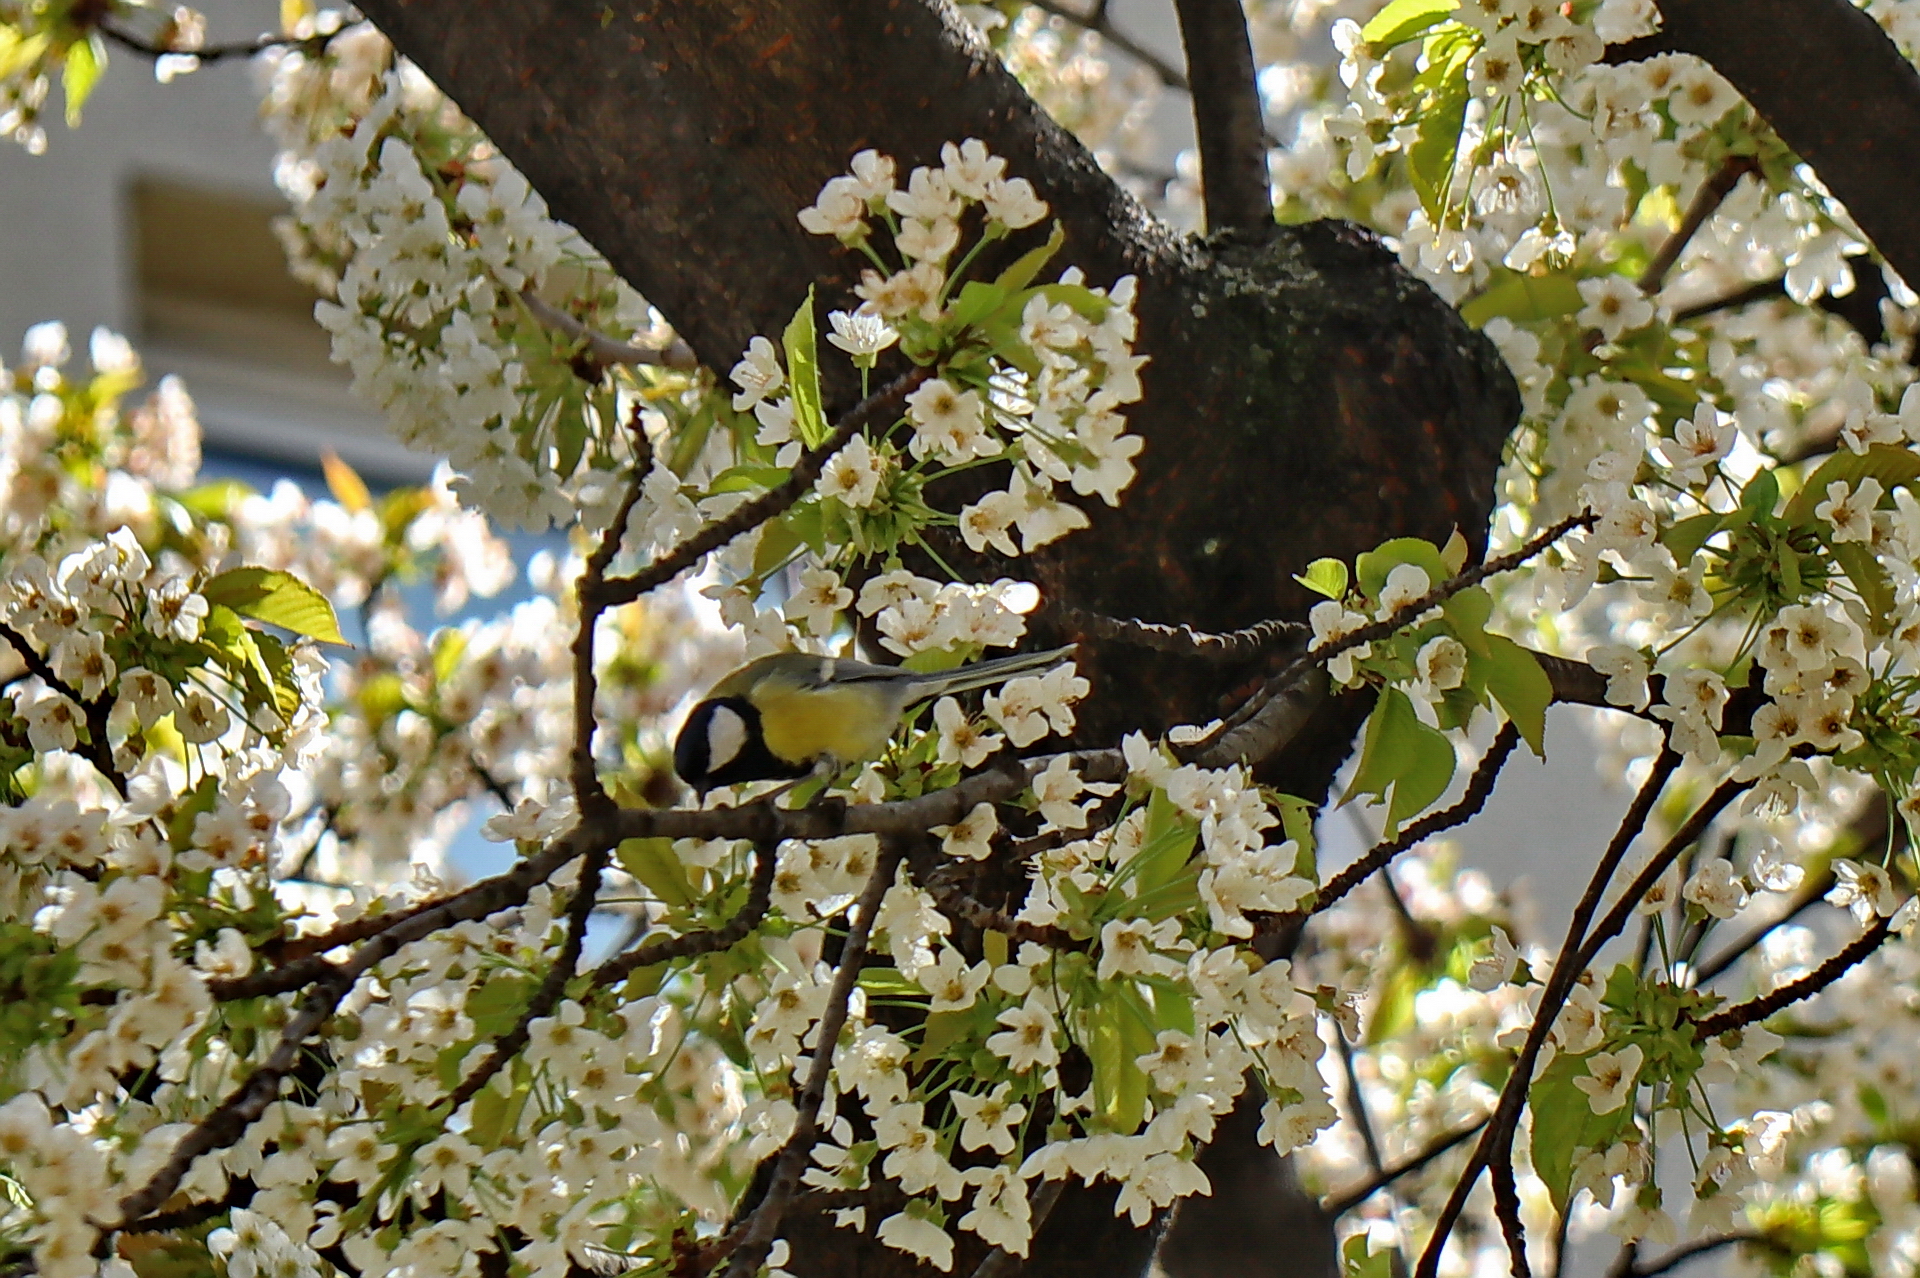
[1891, 466]
[1028, 264]
[1403, 757]
[653, 863]
[1564, 1124]
[1517, 295]
[86, 59]
[1326, 577]
[277, 598]
[803, 375]
[1402, 20]
[1522, 688]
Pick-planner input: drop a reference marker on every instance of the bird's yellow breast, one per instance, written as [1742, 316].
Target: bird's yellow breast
[800, 725]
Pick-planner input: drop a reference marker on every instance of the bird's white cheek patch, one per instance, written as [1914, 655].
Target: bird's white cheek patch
[726, 737]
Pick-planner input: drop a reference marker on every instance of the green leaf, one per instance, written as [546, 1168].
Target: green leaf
[943, 1030]
[214, 500]
[1028, 264]
[495, 1006]
[654, 864]
[1402, 20]
[1373, 565]
[1522, 688]
[570, 441]
[1761, 495]
[976, 302]
[1867, 576]
[1686, 537]
[1164, 849]
[803, 374]
[277, 598]
[279, 668]
[1517, 295]
[1115, 1037]
[1891, 466]
[1437, 136]
[780, 540]
[448, 647]
[744, 479]
[494, 1115]
[1327, 577]
[1358, 1260]
[186, 813]
[86, 60]
[888, 983]
[1088, 303]
[1564, 1122]
[1402, 757]
[18, 52]
[1468, 613]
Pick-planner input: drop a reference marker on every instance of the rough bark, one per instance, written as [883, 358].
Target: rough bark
[1306, 397]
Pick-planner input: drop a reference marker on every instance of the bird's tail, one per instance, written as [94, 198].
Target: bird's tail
[985, 674]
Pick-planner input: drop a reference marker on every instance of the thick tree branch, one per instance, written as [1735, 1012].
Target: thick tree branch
[1837, 91]
[1227, 115]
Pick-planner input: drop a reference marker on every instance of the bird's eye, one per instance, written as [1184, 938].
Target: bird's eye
[726, 737]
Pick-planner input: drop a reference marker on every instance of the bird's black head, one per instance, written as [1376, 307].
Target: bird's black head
[721, 744]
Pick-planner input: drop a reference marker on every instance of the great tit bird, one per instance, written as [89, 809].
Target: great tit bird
[787, 715]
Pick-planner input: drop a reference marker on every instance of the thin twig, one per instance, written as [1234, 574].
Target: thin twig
[1227, 646]
[217, 52]
[602, 348]
[661, 949]
[757, 1237]
[1478, 790]
[587, 790]
[1792, 992]
[97, 750]
[1101, 25]
[565, 964]
[230, 1119]
[957, 905]
[1227, 117]
[1687, 1251]
[1320, 654]
[1357, 1102]
[1506, 1114]
[1506, 1193]
[1718, 186]
[1340, 1204]
[771, 504]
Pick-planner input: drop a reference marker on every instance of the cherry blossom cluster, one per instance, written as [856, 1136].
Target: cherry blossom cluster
[434, 253]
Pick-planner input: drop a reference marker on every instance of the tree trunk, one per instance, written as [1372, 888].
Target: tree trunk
[1306, 396]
